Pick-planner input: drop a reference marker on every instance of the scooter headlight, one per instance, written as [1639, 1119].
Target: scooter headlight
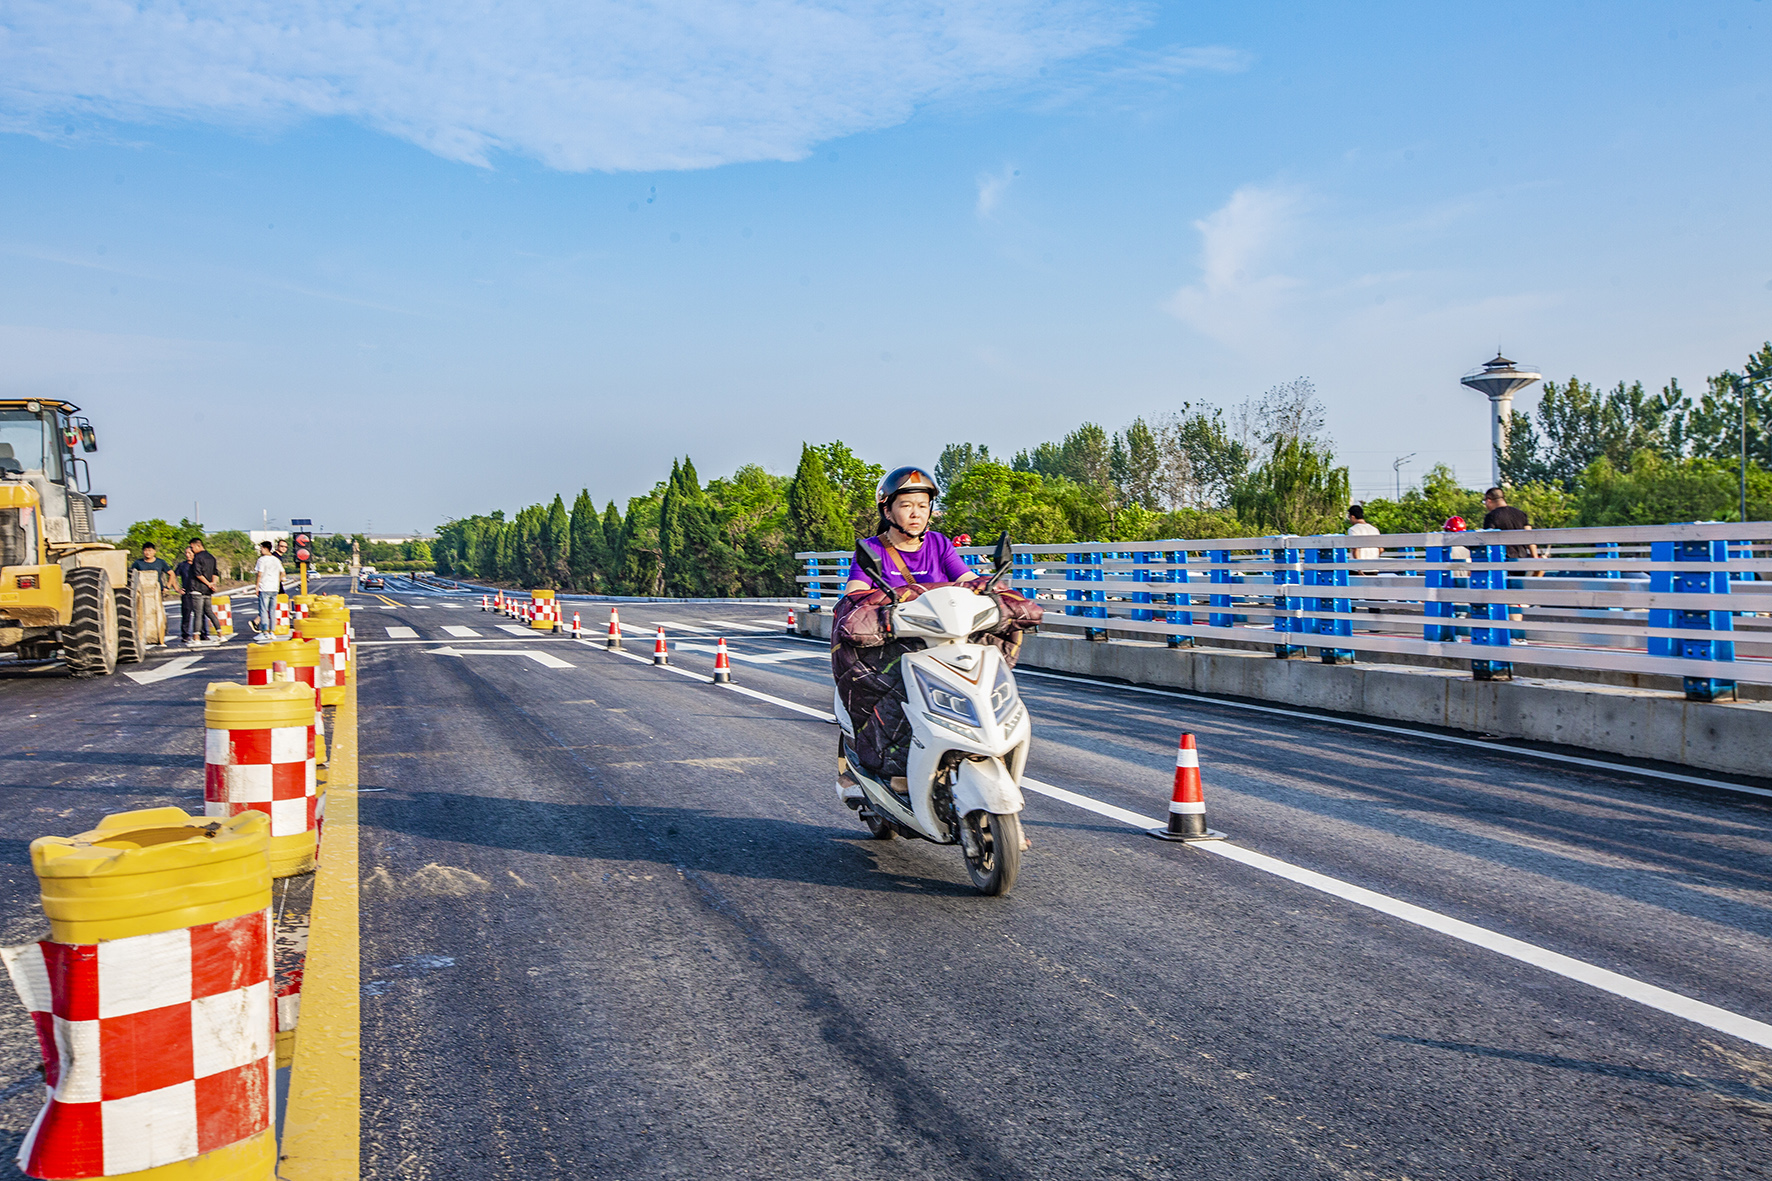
[1004, 699]
[948, 701]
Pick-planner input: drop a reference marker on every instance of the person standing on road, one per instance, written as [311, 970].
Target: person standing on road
[267, 576]
[283, 564]
[188, 607]
[1502, 515]
[206, 576]
[152, 561]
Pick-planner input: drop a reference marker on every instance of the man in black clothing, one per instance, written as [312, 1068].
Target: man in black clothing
[204, 577]
[1502, 515]
[188, 606]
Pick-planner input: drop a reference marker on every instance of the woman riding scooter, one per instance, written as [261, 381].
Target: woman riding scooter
[864, 655]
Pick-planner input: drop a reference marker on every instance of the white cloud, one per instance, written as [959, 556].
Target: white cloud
[577, 84]
[991, 187]
[1236, 295]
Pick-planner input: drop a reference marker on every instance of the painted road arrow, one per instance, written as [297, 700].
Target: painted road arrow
[538, 657]
[172, 668]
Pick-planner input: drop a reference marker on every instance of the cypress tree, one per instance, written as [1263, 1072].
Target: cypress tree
[614, 556]
[817, 513]
[585, 560]
[558, 542]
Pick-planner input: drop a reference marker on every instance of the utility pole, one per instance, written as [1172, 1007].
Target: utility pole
[1397, 467]
[1743, 385]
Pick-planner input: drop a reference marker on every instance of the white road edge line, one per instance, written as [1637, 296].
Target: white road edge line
[1574, 760]
[1710, 1016]
[821, 715]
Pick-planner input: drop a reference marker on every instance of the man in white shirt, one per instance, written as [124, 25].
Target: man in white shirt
[268, 580]
[1357, 525]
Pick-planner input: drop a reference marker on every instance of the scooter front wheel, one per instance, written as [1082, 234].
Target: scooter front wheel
[997, 839]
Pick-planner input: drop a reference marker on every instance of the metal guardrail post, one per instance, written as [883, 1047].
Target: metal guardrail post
[1337, 627]
[1707, 581]
[1021, 575]
[1092, 573]
[1286, 574]
[1609, 551]
[1219, 574]
[1179, 557]
[1142, 576]
[812, 603]
[1438, 580]
[1491, 637]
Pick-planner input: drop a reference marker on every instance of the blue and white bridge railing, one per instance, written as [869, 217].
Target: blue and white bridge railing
[1688, 601]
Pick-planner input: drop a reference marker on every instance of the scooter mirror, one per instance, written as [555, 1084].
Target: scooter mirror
[870, 565]
[1005, 552]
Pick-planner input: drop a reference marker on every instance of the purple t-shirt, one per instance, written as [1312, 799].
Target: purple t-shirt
[937, 561]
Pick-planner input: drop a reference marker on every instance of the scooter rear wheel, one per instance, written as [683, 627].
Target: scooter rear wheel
[997, 837]
[879, 827]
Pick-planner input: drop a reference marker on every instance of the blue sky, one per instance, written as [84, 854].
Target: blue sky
[383, 264]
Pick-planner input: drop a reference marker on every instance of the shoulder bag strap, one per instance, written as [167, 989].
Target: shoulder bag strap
[898, 560]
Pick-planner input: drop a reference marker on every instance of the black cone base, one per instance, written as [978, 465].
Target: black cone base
[1163, 834]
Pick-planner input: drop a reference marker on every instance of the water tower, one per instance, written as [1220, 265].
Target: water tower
[1499, 380]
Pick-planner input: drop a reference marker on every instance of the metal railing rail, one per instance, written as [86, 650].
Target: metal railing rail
[1692, 601]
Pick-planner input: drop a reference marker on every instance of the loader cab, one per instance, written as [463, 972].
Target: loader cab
[38, 439]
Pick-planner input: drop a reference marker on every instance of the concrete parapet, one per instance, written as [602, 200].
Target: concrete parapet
[1619, 721]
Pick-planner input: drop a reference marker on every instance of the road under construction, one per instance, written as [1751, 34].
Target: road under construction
[612, 920]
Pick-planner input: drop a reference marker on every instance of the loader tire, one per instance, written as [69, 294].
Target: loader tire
[89, 642]
[132, 647]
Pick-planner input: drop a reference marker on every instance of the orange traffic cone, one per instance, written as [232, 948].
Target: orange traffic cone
[614, 631]
[722, 665]
[1187, 808]
[575, 631]
[659, 654]
[791, 628]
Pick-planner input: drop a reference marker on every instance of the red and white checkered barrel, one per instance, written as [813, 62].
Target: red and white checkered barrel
[544, 610]
[331, 631]
[157, 1041]
[258, 756]
[224, 614]
[280, 616]
[300, 660]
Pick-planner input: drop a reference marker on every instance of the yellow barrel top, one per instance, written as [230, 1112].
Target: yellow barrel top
[258, 707]
[158, 869]
[541, 594]
[297, 653]
[321, 623]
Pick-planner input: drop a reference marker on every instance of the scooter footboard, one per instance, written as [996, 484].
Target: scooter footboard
[985, 785]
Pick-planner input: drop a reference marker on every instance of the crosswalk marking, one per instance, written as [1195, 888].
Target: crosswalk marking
[515, 630]
[462, 633]
[390, 608]
[401, 633]
[743, 627]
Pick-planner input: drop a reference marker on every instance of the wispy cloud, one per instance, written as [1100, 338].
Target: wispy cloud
[576, 84]
[992, 186]
[1237, 292]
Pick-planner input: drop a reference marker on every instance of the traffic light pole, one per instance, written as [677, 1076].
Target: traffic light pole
[304, 548]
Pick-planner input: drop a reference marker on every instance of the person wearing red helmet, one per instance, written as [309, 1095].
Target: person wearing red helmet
[910, 553]
[1457, 553]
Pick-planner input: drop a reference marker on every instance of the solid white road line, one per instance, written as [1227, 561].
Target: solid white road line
[1379, 727]
[387, 608]
[1710, 1016]
[743, 627]
[462, 633]
[541, 658]
[821, 715]
[401, 633]
[748, 657]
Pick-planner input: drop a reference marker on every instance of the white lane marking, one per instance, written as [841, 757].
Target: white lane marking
[420, 607]
[453, 606]
[821, 715]
[401, 633]
[743, 627]
[542, 658]
[516, 630]
[462, 633]
[176, 667]
[1697, 1012]
[1503, 748]
[669, 626]
[390, 608]
[749, 657]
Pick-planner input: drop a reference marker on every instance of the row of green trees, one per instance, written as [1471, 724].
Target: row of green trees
[235, 552]
[1263, 467]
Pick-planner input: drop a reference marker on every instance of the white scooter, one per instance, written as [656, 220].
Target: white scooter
[969, 736]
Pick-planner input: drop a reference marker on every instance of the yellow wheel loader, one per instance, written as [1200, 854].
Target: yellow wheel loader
[63, 592]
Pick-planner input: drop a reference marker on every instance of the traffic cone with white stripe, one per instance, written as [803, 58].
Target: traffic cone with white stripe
[791, 628]
[576, 634]
[614, 631]
[482, 602]
[659, 653]
[722, 664]
[1187, 808]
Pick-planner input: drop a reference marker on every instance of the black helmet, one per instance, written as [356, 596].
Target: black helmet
[905, 479]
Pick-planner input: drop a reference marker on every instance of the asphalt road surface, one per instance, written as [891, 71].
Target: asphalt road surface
[616, 924]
